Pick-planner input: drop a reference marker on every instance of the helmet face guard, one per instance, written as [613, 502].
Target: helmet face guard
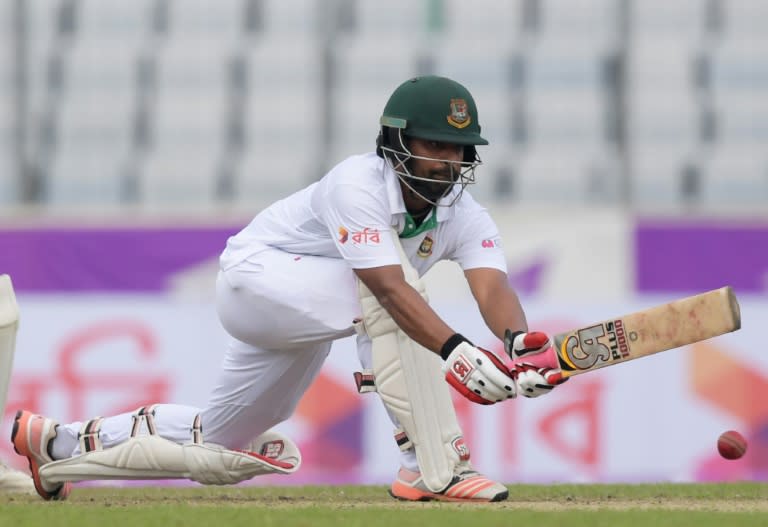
[434, 109]
[431, 190]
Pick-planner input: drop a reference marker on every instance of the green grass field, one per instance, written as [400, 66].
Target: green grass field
[721, 505]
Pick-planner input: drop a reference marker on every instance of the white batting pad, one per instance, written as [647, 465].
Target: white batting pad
[410, 382]
[152, 457]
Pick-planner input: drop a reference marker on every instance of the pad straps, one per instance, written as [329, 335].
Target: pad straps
[90, 439]
[197, 430]
[146, 415]
[89, 435]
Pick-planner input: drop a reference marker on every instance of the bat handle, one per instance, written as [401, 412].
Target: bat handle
[544, 359]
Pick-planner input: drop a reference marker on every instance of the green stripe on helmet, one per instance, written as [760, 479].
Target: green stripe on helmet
[392, 122]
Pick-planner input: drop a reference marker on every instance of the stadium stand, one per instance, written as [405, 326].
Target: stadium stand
[9, 182]
[186, 102]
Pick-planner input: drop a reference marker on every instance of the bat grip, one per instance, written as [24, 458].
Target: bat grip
[544, 359]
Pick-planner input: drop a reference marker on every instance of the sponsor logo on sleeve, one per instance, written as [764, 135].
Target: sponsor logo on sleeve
[343, 235]
[490, 243]
[367, 237]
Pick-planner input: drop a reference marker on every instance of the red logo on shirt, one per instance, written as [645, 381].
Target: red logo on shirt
[366, 236]
[343, 235]
[491, 243]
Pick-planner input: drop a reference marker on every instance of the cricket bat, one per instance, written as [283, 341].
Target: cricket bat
[9, 321]
[646, 332]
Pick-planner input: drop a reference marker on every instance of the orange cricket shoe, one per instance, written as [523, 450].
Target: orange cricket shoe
[467, 486]
[31, 437]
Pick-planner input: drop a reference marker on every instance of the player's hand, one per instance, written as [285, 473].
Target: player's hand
[478, 374]
[534, 362]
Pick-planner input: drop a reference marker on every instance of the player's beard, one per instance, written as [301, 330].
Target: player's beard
[434, 190]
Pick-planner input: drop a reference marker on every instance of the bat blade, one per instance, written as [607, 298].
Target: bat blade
[648, 331]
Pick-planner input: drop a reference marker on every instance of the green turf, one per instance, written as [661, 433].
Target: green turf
[723, 505]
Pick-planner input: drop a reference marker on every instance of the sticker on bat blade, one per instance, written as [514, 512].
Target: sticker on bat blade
[618, 340]
[595, 346]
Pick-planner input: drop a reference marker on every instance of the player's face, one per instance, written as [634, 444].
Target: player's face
[443, 164]
[444, 158]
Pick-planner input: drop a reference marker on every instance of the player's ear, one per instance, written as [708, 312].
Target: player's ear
[470, 154]
[380, 143]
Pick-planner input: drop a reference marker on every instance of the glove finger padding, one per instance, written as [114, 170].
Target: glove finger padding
[533, 381]
[479, 375]
[553, 376]
[519, 344]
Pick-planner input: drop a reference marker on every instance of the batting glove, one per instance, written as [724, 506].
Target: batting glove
[476, 373]
[534, 362]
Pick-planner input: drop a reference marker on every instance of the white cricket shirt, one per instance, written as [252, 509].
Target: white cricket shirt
[349, 214]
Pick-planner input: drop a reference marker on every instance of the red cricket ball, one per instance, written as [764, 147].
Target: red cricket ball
[731, 445]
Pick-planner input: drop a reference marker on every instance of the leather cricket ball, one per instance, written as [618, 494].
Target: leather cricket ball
[731, 445]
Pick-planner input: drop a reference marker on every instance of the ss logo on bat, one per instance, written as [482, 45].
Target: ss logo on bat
[584, 350]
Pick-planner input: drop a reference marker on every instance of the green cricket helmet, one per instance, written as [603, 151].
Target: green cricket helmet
[436, 109]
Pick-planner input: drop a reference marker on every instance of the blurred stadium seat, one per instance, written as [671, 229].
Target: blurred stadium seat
[177, 177]
[682, 20]
[367, 73]
[41, 47]
[662, 116]
[484, 19]
[746, 19]
[95, 115]
[9, 191]
[265, 178]
[215, 23]
[188, 119]
[294, 18]
[82, 174]
[739, 88]
[566, 110]
[282, 114]
[567, 176]
[658, 176]
[735, 176]
[579, 20]
[113, 20]
[283, 82]
[391, 20]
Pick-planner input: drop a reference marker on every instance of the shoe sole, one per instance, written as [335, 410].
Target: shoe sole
[20, 436]
[408, 493]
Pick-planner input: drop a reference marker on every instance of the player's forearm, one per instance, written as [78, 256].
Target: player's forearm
[502, 310]
[501, 320]
[498, 303]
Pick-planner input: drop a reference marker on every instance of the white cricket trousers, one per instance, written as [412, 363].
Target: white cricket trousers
[283, 311]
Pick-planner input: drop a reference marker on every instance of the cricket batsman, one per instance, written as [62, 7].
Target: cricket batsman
[343, 256]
